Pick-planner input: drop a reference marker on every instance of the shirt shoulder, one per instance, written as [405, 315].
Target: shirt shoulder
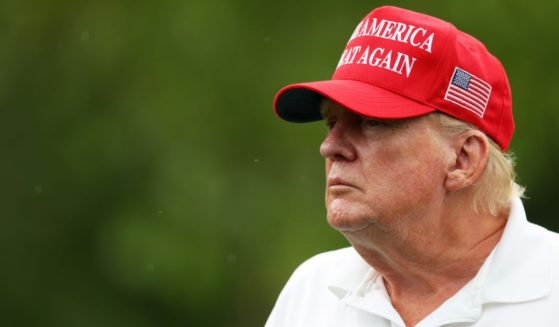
[306, 297]
[316, 273]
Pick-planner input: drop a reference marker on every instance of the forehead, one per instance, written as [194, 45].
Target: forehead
[431, 121]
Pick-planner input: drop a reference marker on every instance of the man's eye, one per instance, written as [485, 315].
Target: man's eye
[330, 123]
[372, 122]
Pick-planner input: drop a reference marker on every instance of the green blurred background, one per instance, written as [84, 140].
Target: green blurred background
[145, 179]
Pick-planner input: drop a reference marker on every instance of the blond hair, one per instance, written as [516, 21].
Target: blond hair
[497, 185]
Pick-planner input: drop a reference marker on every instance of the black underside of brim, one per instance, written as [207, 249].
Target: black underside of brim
[299, 106]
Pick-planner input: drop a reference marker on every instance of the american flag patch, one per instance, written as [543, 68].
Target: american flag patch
[468, 91]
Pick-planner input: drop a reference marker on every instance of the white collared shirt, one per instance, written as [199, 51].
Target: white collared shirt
[518, 285]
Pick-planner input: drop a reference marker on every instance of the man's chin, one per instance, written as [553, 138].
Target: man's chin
[347, 216]
[348, 225]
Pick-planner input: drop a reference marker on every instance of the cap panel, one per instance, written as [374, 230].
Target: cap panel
[506, 127]
[395, 49]
[475, 88]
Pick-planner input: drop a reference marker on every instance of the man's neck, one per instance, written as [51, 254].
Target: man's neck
[423, 270]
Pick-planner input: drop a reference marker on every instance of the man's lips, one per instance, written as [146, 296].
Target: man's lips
[338, 182]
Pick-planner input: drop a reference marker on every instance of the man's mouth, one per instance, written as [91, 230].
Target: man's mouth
[337, 182]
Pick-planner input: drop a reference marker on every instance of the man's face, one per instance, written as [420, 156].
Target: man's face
[386, 174]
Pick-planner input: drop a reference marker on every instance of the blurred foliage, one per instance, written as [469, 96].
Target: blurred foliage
[146, 181]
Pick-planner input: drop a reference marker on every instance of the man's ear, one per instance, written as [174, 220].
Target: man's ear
[469, 160]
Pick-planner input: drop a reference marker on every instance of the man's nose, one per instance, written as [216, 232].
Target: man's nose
[337, 144]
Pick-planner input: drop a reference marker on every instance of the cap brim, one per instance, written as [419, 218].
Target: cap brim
[300, 102]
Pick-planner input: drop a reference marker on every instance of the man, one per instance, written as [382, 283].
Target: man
[419, 118]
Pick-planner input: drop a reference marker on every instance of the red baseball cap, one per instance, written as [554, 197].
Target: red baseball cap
[402, 64]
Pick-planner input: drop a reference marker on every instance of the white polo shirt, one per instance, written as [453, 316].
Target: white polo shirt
[518, 285]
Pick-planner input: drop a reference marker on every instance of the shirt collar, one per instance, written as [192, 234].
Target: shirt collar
[519, 268]
[352, 275]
